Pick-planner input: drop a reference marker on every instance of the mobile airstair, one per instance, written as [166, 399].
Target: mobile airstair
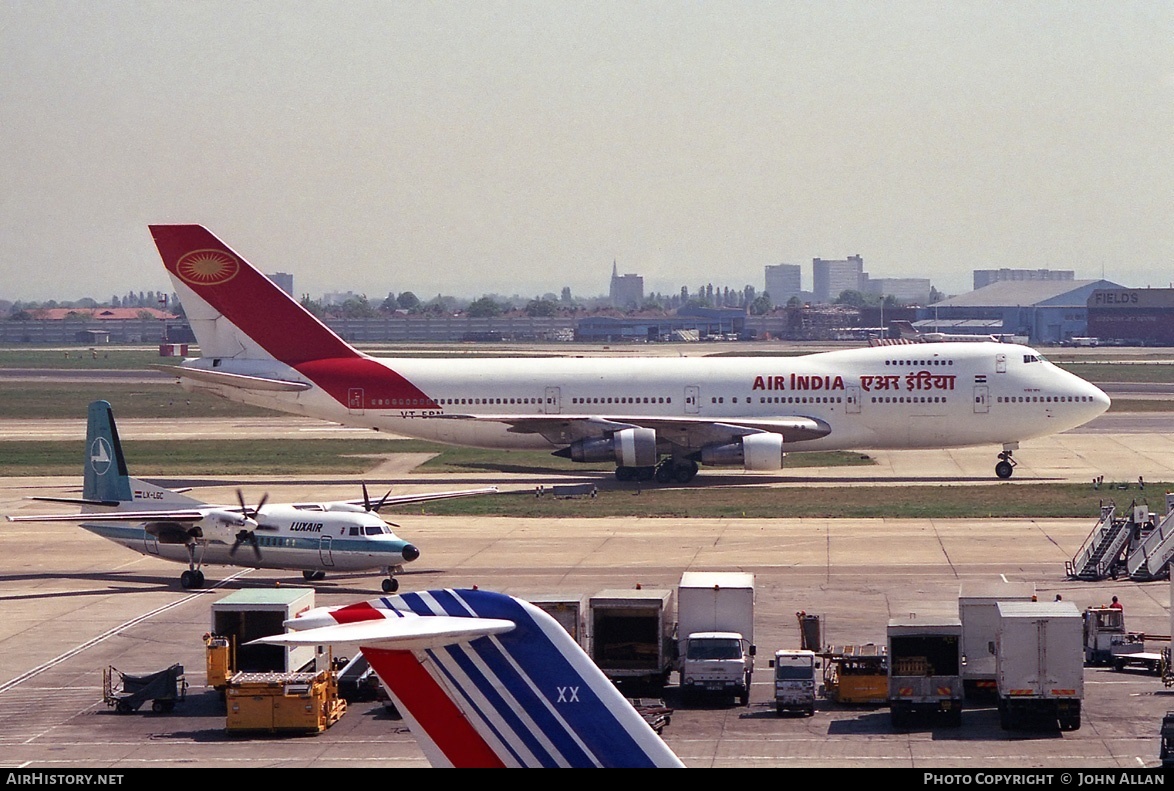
[1101, 552]
[1149, 557]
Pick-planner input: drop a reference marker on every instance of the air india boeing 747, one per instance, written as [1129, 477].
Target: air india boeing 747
[655, 418]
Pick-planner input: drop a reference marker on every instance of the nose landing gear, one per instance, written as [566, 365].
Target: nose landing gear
[1005, 466]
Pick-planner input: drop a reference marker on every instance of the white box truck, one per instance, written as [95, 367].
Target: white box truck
[795, 681]
[1039, 663]
[978, 611]
[715, 632]
[925, 670]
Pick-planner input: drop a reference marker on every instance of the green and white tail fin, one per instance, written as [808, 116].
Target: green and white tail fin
[106, 479]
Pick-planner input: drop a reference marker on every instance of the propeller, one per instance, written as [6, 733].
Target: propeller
[251, 512]
[367, 500]
[375, 508]
[246, 536]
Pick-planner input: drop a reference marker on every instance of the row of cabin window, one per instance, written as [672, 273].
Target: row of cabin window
[909, 399]
[919, 362]
[624, 400]
[1037, 399]
[781, 399]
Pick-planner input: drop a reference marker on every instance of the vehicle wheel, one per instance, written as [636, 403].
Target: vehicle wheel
[683, 473]
[744, 698]
[664, 473]
[188, 580]
[158, 707]
[1119, 665]
[390, 585]
[645, 473]
[1004, 469]
[199, 578]
[811, 712]
[625, 473]
[122, 707]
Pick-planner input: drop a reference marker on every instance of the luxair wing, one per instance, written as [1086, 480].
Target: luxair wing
[184, 515]
[421, 497]
[681, 430]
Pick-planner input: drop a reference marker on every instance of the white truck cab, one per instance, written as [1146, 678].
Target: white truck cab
[795, 681]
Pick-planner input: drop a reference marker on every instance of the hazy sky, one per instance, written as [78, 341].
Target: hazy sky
[483, 147]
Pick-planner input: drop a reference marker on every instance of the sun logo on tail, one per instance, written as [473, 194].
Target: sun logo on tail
[207, 267]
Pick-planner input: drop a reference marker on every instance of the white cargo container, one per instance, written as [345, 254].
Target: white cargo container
[631, 634]
[247, 615]
[980, 620]
[1039, 664]
[570, 610]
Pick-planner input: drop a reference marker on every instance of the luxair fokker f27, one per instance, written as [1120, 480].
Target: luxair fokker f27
[314, 538]
[486, 680]
[656, 418]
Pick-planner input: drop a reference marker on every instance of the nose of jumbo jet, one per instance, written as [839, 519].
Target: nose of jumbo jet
[1101, 399]
[410, 552]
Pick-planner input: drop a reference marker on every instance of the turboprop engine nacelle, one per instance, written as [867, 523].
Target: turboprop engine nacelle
[225, 525]
[753, 451]
[632, 447]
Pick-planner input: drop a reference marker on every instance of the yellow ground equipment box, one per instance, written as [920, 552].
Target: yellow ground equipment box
[856, 674]
[221, 660]
[283, 702]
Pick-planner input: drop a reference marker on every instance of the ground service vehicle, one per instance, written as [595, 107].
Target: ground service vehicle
[925, 670]
[1166, 751]
[1038, 664]
[856, 674]
[715, 630]
[795, 685]
[977, 609]
[126, 692]
[631, 635]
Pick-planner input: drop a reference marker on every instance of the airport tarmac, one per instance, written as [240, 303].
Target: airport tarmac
[75, 604]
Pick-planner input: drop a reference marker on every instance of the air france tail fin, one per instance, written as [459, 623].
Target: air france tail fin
[105, 480]
[488, 680]
[234, 310]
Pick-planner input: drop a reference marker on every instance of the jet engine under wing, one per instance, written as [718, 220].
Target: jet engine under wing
[239, 381]
[692, 432]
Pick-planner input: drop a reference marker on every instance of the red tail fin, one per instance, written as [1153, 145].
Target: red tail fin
[205, 270]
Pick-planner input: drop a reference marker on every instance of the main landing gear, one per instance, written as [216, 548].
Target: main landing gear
[1006, 465]
[668, 471]
[193, 577]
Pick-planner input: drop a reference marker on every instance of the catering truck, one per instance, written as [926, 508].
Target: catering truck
[715, 633]
[925, 670]
[1039, 665]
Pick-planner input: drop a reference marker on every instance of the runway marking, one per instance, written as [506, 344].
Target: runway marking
[36, 671]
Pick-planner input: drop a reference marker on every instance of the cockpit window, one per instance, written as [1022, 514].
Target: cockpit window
[374, 530]
[1032, 358]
